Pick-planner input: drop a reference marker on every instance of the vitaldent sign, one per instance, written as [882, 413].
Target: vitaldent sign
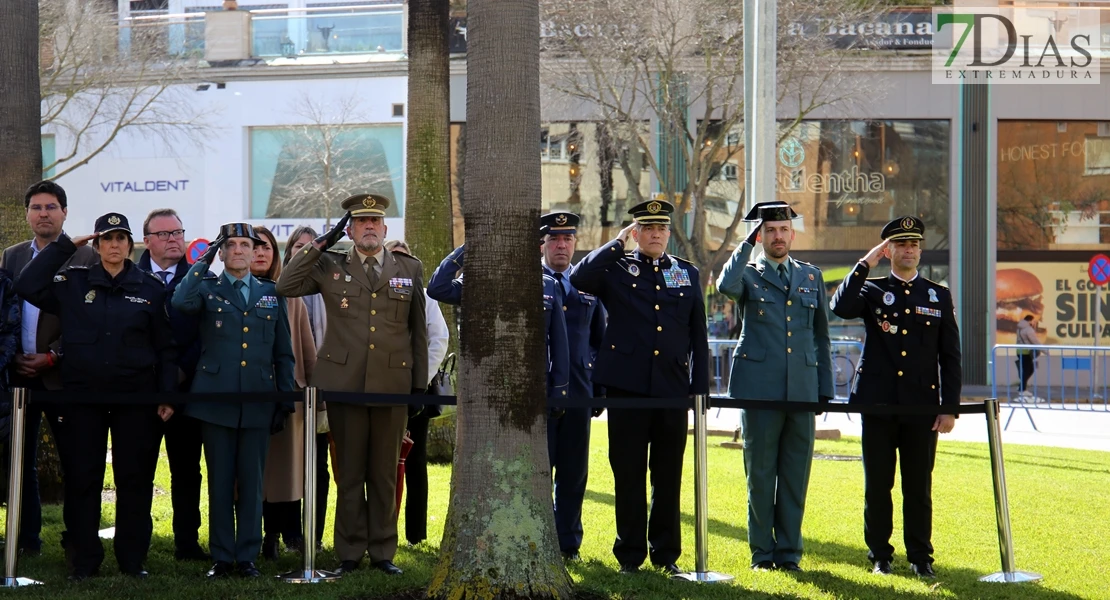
[1015, 45]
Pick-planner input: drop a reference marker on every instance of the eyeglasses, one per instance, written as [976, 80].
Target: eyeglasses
[165, 235]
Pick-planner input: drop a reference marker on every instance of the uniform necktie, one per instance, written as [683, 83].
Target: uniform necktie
[782, 275]
[164, 276]
[367, 265]
[559, 278]
[242, 288]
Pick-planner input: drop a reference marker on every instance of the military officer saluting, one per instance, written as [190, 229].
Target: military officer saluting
[655, 345]
[568, 435]
[783, 355]
[376, 342]
[911, 356]
[245, 347]
[446, 285]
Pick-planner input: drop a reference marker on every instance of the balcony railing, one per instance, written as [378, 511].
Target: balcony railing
[274, 32]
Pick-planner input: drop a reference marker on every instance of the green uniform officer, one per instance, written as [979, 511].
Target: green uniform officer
[245, 347]
[783, 355]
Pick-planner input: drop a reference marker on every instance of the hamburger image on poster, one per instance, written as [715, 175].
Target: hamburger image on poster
[1017, 293]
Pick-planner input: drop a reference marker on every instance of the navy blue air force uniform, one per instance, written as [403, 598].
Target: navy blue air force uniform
[446, 286]
[911, 356]
[117, 339]
[568, 435]
[655, 345]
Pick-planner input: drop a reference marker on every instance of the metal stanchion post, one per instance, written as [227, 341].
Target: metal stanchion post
[1001, 505]
[15, 490]
[701, 502]
[308, 573]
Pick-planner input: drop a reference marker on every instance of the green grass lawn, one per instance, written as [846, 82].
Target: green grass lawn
[1057, 498]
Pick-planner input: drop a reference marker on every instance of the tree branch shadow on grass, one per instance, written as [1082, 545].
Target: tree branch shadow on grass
[963, 583]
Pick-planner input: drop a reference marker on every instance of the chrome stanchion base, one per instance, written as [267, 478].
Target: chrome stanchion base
[14, 582]
[303, 576]
[704, 577]
[1013, 577]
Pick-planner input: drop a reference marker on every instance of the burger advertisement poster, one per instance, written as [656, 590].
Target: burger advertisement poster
[1061, 298]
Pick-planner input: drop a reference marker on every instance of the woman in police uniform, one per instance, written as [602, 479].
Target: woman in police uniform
[117, 340]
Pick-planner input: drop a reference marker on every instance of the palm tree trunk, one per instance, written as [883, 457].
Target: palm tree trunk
[428, 213]
[499, 540]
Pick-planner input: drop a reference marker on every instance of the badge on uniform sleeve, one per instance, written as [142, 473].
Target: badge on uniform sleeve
[811, 276]
[335, 276]
[347, 278]
[343, 303]
[933, 295]
[219, 324]
[634, 270]
[888, 298]
[89, 297]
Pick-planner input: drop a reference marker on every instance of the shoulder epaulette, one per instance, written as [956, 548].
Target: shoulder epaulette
[337, 252]
[876, 278]
[941, 286]
[265, 280]
[210, 276]
[399, 254]
[802, 262]
[77, 267]
[153, 276]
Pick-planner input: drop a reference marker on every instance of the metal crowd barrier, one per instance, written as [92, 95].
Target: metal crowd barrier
[1063, 378]
[310, 397]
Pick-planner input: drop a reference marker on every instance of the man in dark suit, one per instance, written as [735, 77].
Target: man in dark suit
[35, 364]
[656, 344]
[164, 236]
[911, 356]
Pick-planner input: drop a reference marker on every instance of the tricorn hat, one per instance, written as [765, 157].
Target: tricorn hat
[241, 230]
[774, 210]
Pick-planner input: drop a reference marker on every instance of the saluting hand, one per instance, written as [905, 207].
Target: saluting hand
[165, 411]
[85, 239]
[213, 248]
[627, 231]
[333, 236]
[876, 254]
[944, 423]
[755, 233]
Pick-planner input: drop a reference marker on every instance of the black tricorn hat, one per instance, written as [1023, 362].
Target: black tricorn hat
[774, 210]
[241, 230]
[112, 222]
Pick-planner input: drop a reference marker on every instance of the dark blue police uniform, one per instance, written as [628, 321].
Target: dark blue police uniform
[656, 344]
[446, 286]
[911, 355]
[568, 434]
[117, 339]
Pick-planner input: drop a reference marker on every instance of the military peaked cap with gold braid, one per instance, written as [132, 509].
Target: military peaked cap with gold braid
[366, 205]
[904, 228]
[652, 211]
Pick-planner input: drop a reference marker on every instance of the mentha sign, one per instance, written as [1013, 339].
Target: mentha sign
[1015, 45]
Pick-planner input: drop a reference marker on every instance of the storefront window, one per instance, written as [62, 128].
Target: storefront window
[1053, 185]
[303, 172]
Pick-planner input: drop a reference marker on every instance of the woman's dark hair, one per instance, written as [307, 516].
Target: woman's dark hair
[130, 244]
[293, 237]
[275, 266]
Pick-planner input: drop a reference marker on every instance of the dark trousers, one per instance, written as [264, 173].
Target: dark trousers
[136, 433]
[631, 432]
[283, 519]
[568, 446]
[236, 460]
[916, 446]
[416, 480]
[323, 482]
[183, 449]
[1025, 366]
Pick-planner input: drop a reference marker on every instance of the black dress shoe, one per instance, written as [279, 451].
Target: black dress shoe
[629, 569]
[572, 556]
[790, 566]
[270, 549]
[882, 567]
[346, 566]
[387, 567]
[763, 565]
[193, 552]
[247, 569]
[81, 574]
[137, 573]
[670, 569]
[923, 569]
[220, 569]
